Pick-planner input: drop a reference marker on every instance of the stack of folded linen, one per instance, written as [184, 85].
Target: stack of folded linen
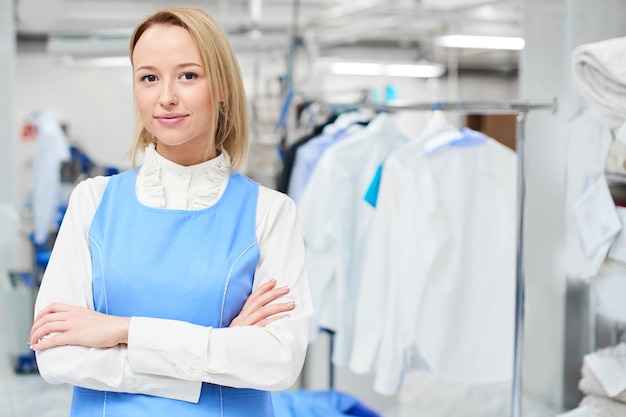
[599, 73]
[604, 384]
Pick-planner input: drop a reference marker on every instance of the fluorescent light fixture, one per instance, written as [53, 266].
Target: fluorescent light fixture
[480, 42]
[415, 70]
[391, 70]
[356, 68]
[107, 61]
[89, 46]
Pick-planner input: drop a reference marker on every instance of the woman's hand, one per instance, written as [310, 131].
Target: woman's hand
[62, 324]
[257, 310]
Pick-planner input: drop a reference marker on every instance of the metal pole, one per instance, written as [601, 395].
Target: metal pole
[516, 394]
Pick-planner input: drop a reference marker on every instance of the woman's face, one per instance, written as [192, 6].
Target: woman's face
[172, 94]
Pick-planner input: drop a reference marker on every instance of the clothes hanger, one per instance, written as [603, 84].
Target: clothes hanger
[443, 134]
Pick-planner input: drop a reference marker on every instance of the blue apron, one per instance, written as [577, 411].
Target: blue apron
[191, 265]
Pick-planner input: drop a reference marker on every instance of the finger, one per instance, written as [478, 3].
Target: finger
[55, 308]
[44, 312]
[49, 341]
[45, 320]
[252, 300]
[261, 315]
[268, 285]
[268, 311]
[50, 323]
[47, 329]
[263, 289]
[253, 304]
[263, 299]
[276, 293]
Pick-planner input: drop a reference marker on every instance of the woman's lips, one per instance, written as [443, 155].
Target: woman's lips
[170, 119]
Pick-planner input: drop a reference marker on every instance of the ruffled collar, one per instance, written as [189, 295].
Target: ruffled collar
[157, 182]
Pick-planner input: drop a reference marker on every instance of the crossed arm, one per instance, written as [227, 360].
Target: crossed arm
[61, 324]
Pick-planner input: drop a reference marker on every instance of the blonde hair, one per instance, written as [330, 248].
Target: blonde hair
[230, 116]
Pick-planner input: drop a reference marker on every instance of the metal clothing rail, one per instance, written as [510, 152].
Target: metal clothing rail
[474, 107]
[521, 109]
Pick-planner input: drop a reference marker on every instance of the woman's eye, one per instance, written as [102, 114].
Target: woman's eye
[189, 76]
[149, 78]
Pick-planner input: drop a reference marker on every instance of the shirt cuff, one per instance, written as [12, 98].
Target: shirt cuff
[168, 348]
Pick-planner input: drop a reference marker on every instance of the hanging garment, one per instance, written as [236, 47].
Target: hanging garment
[47, 191]
[289, 155]
[439, 275]
[437, 124]
[336, 222]
[367, 334]
[308, 155]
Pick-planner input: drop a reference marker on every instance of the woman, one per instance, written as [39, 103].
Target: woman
[159, 298]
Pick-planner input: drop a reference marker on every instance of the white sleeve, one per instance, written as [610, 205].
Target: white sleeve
[372, 298]
[266, 358]
[67, 279]
[317, 211]
[390, 359]
[419, 233]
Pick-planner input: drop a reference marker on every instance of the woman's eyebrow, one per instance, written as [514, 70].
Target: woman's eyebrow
[184, 65]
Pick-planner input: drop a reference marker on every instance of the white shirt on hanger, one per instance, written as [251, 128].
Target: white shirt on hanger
[368, 328]
[439, 277]
[336, 223]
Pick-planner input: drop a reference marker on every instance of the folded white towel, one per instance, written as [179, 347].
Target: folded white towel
[599, 73]
[603, 407]
[590, 385]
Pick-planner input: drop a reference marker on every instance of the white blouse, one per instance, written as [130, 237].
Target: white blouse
[171, 358]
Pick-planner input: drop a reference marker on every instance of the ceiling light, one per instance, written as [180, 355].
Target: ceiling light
[108, 61]
[480, 42]
[88, 45]
[392, 70]
[415, 70]
[356, 68]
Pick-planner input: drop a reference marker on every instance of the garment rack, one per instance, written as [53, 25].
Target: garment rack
[521, 110]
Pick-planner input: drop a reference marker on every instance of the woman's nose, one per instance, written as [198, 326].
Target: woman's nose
[168, 96]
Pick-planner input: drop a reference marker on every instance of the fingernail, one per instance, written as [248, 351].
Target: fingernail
[291, 303]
